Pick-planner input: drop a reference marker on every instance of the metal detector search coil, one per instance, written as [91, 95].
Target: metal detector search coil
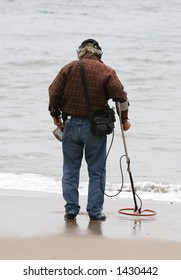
[131, 212]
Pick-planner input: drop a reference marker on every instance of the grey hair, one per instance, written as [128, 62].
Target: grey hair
[88, 50]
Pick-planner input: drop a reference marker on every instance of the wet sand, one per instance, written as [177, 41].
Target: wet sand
[33, 227]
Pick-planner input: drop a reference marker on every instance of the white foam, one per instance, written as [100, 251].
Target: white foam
[28, 182]
[40, 183]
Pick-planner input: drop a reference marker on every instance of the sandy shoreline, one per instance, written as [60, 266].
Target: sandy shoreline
[32, 227]
[88, 248]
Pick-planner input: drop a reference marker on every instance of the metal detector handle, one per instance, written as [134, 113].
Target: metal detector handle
[118, 105]
[123, 136]
[137, 211]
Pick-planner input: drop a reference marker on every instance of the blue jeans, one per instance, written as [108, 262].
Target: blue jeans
[77, 139]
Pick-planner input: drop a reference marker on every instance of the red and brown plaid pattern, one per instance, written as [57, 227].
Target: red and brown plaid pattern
[66, 91]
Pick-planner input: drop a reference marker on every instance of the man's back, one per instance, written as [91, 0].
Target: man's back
[102, 83]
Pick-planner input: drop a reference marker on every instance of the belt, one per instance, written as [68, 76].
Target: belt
[81, 117]
[67, 115]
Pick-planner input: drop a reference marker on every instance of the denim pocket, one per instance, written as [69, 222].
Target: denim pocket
[67, 132]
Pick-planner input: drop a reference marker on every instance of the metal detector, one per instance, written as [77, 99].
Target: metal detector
[131, 211]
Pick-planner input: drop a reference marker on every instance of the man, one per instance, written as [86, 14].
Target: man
[67, 106]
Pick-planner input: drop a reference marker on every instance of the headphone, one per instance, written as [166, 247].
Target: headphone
[95, 44]
[90, 41]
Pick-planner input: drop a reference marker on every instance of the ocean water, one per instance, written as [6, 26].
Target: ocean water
[141, 40]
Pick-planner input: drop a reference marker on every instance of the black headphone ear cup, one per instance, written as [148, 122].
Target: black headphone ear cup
[99, 55]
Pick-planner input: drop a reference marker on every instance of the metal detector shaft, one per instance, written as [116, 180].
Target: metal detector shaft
[126, 154]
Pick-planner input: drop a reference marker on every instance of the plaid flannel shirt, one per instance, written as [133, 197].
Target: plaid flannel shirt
[66, 91]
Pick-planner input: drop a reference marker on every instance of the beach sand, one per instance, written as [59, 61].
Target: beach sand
[33, 228]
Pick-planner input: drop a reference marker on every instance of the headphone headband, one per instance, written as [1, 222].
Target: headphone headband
[90, 41]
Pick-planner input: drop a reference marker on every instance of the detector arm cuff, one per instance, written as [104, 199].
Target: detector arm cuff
[123, 106]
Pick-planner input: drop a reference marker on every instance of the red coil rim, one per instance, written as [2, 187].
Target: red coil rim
[145, 212]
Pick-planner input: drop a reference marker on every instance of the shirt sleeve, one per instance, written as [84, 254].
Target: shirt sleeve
[56, 90]
[116, 92]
